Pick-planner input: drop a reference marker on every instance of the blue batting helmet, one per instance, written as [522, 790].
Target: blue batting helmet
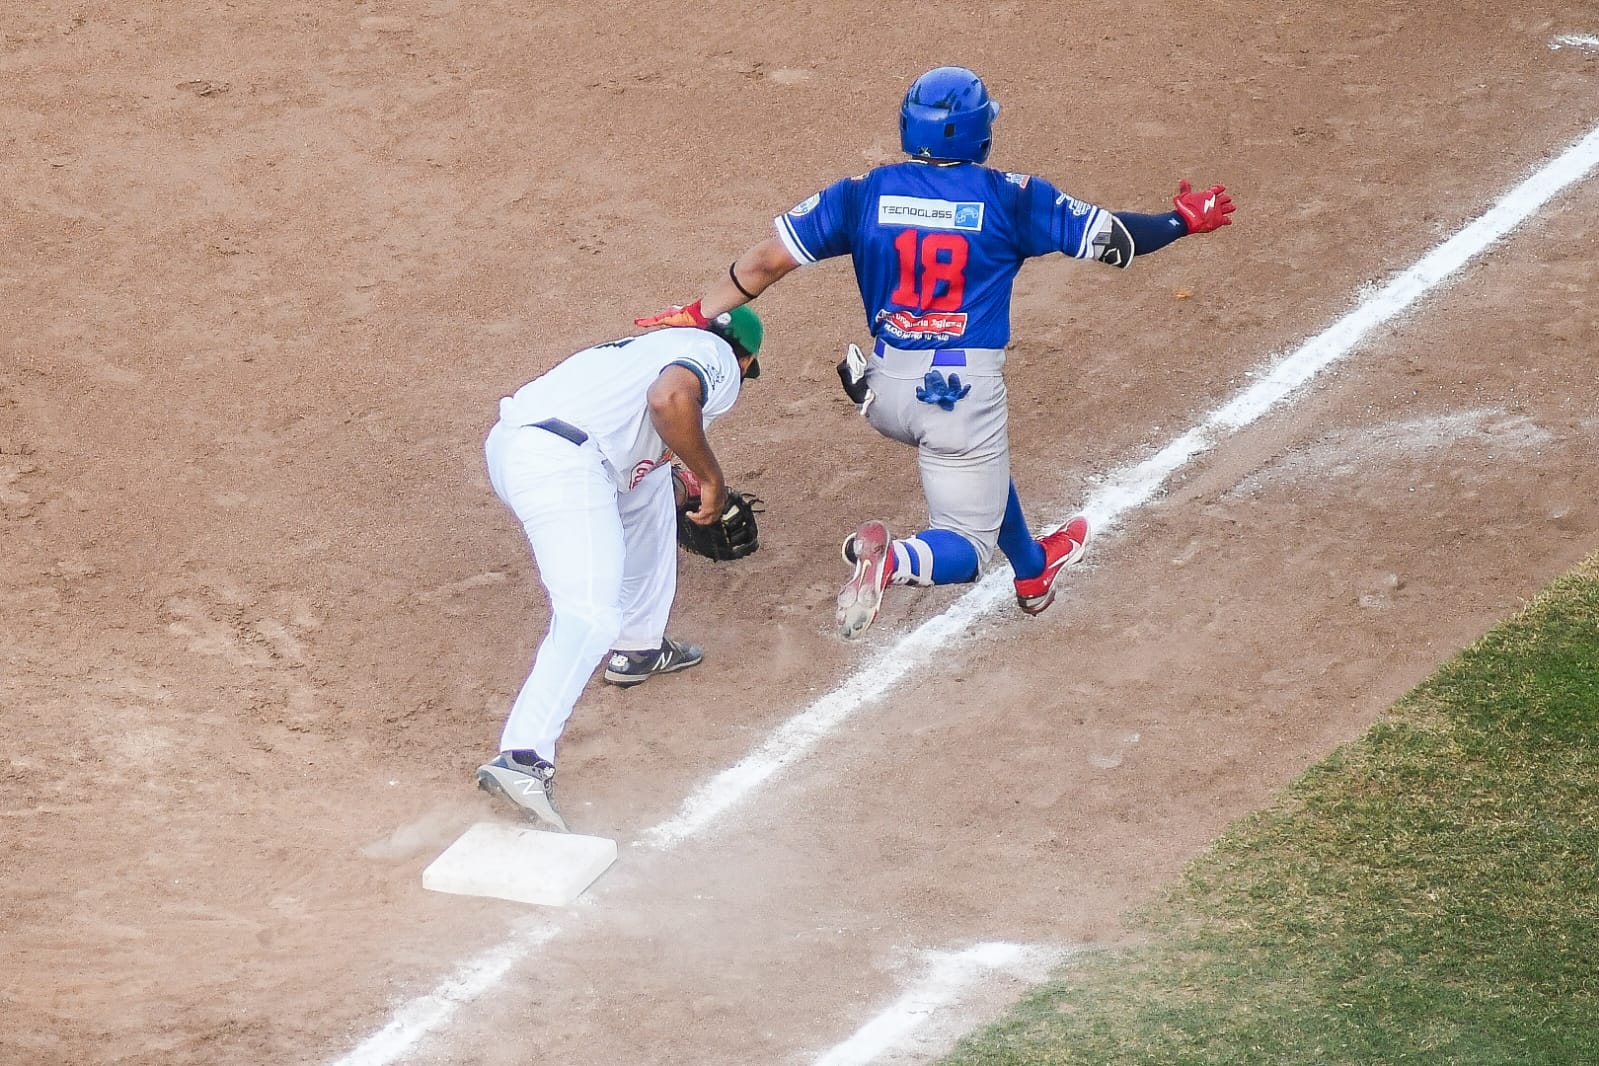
[947, 114]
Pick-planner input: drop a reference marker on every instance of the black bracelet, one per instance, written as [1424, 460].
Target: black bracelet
[734, 278]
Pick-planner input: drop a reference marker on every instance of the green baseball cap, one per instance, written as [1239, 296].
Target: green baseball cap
[741, 327]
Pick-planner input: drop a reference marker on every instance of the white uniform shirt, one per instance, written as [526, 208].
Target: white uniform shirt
[603, 391]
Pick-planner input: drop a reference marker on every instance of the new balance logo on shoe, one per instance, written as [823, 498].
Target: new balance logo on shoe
[528, 788]
[628, 668]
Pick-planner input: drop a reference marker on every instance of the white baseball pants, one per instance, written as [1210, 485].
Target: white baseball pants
[607, 559]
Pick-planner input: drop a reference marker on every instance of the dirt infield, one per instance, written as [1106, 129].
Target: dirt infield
[269, 269]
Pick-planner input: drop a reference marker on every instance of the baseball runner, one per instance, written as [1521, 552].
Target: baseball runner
[936, 243]
[582, 456]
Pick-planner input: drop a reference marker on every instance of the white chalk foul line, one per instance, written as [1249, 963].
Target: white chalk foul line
[1125, 490]
[426, 1013]
[948, 976]
[797, 736]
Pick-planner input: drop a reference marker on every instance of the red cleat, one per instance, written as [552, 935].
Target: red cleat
[1062, 548]
[862, 596]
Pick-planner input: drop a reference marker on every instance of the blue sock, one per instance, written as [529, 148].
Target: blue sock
[1026, 555]
[935, 557]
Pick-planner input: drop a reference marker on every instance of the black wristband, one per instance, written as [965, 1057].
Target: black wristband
[734, 278]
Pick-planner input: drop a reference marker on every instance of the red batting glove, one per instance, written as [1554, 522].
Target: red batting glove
[687, 315]
[1203, 211]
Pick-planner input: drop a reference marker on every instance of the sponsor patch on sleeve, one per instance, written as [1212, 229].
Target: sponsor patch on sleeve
[805, 206]
[1018, 180]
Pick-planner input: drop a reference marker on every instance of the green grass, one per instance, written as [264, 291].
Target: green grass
[1429, 894]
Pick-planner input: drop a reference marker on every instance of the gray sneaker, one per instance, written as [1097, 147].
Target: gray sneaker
[629, 668]
[528, 785]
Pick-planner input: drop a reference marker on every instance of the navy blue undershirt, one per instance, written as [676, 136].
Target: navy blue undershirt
[1151, 233]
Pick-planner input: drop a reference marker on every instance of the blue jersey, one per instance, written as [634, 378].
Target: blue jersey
[936, 248]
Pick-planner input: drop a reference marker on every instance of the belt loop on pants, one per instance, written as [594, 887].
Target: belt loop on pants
[562, 429]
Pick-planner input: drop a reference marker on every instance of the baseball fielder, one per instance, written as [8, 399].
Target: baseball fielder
[936, 242]
[582, 456]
